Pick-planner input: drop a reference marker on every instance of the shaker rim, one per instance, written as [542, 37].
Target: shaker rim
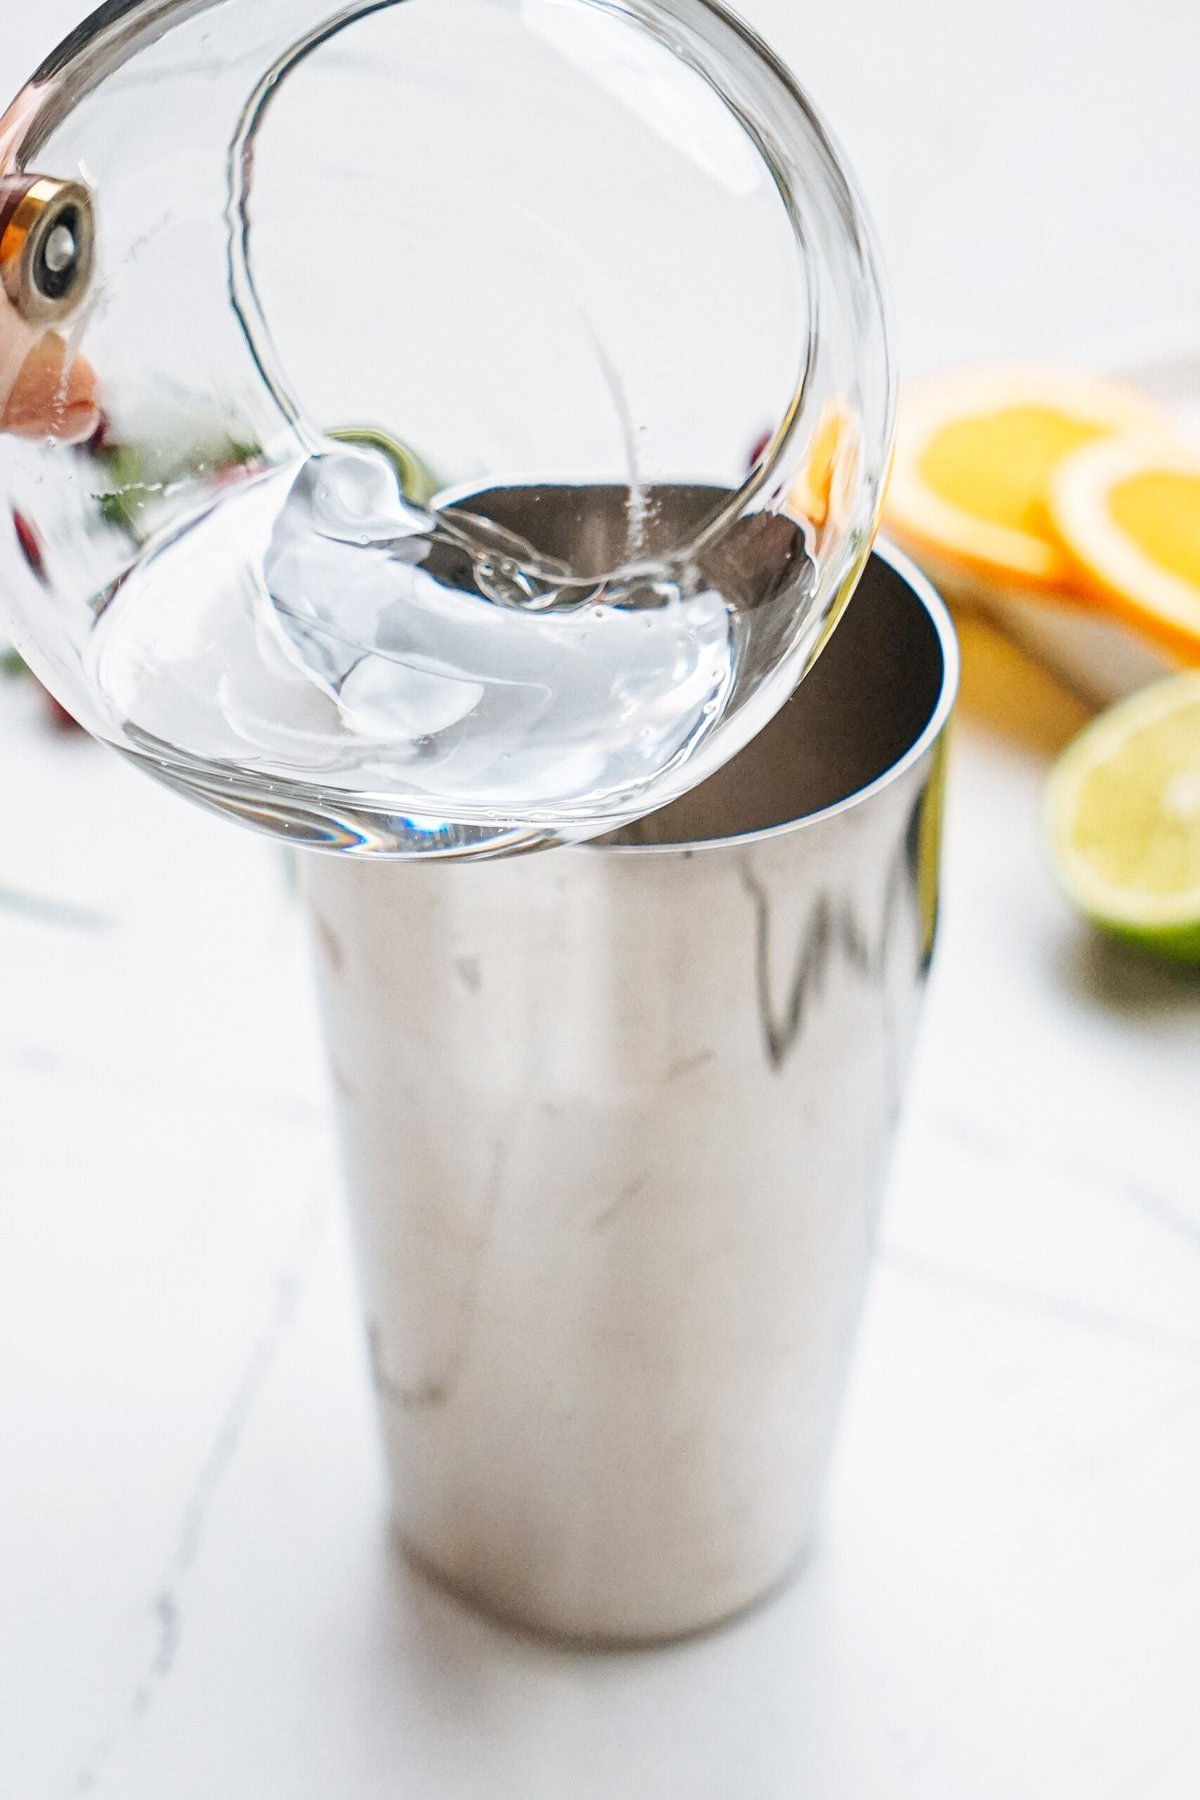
[939, 617]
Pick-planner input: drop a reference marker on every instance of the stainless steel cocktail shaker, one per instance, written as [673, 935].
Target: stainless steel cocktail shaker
[616, 1121]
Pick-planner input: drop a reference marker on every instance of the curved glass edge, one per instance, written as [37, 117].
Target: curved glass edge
[922, 745]
[784, 126]
[831, 221]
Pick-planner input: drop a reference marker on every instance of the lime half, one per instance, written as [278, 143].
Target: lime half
[1123, 817]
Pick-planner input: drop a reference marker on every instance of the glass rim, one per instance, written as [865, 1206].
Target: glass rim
[807, 140]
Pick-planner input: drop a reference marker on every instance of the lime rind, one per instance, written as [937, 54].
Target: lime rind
[1176, 945]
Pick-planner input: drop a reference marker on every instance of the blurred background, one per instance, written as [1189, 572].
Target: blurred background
[194, 1593]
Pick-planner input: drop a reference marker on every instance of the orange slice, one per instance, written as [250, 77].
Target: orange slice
[976, 450]
[1129, 513]
[811, 495]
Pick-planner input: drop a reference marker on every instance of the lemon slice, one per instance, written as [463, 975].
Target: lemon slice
[1129, 513]
[976, 450]
[1123, 818]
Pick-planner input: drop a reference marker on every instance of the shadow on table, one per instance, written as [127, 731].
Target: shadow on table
[1127, 980]
[487, 1712]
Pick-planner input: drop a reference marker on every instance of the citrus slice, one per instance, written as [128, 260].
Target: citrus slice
[1123, 818]
[976, 450]
[811, 495]
[1129, 513]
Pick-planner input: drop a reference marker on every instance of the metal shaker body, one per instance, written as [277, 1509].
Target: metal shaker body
[616, 1121]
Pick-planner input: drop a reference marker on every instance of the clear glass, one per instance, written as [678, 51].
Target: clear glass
[470, 420]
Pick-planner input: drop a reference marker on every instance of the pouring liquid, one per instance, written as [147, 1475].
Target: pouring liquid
[314, 620]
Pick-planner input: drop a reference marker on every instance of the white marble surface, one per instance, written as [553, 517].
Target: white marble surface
[196, 1594]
